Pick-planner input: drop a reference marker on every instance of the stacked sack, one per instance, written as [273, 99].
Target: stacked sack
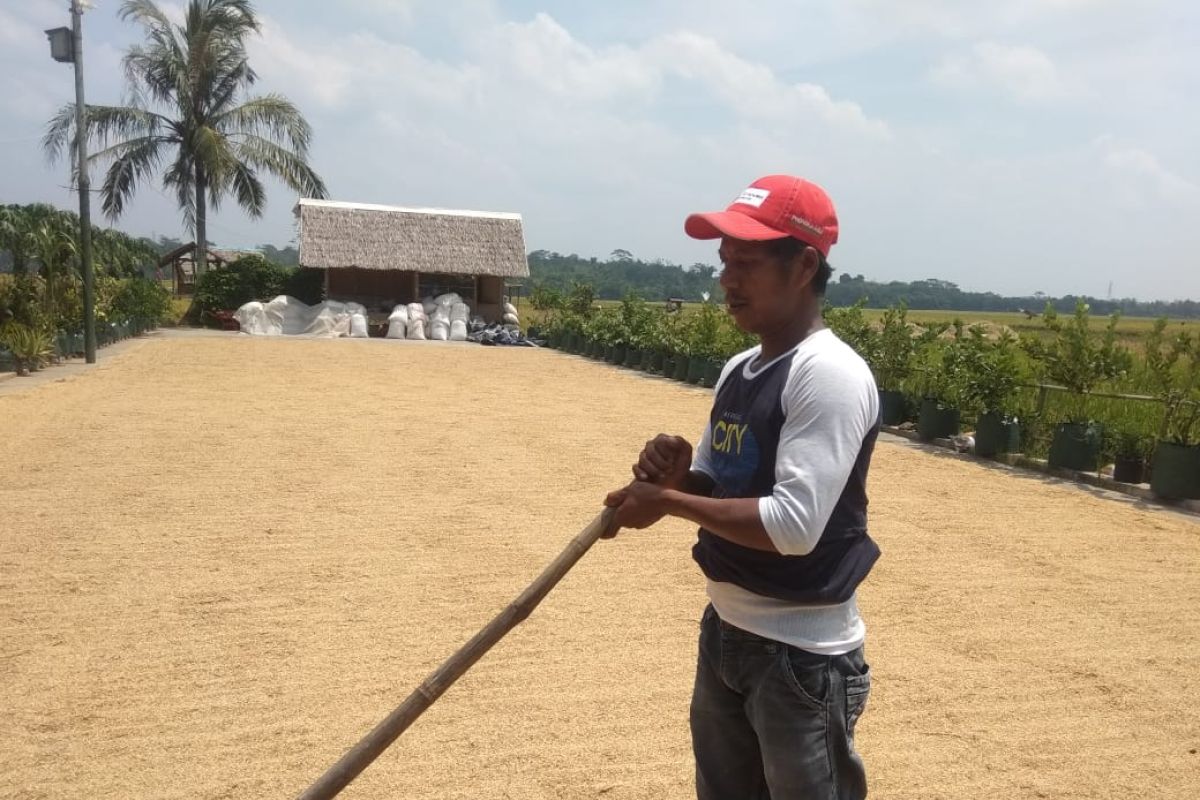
[417, 320]
[442, 318]
[510, 313]
[459, 314]
[398, 323]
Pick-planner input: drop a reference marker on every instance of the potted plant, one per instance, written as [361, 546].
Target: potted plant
[1174, 368]
[706, 330]
[30, 347]
[938, 378]
[1078, 360]
[601, 331]
[892, 360]
[850, 325]
[1129, 449]
[989, 375]
[635, 324]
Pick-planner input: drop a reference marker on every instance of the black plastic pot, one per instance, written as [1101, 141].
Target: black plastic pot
[695, 372]
[936, 421]
[712, 372]
[1076, 445]
[617, 354]
[1176, 471]
[633, 358]
[681, 367]
[891, 406]
[655, 362]
[994, 435]
[1129, 469]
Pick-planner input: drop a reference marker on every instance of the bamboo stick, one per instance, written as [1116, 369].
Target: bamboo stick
[374, 743]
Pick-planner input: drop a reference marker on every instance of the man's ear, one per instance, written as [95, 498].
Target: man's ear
[807, 262]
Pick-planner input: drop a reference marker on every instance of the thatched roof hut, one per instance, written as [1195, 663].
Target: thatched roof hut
[183, 264]
[379, 255]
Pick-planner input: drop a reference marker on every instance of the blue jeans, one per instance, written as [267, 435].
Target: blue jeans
[774, 722]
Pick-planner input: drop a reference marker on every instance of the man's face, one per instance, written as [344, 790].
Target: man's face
[761, 293]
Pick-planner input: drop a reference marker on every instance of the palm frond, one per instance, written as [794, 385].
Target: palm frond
[181, 178]
[289, 167]
[248, 189]
[272, 116]
[58, 131]
[107, 124]
[132, 161]
[230, 78]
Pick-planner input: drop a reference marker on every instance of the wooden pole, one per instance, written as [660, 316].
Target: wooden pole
[374, 743]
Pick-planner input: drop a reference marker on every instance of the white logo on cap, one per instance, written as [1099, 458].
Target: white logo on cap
[801, 222]
[753, 197]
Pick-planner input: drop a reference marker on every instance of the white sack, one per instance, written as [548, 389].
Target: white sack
[459, 312]
[428, 305]
[252, 319]
[448, 299]
[400, 313]
[439, 330]
[358, 326]
[416, 329]
[509, 308]
[458, 330]
[512, 319]
[397, 328]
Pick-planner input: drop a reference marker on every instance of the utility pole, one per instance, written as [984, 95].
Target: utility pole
[61, 51]
[85, 189]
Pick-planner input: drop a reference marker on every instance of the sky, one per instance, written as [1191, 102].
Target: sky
[1015, 147]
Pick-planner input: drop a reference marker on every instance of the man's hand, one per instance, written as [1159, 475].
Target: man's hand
[639, 505]
[665, 461]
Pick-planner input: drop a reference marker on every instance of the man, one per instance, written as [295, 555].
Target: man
[778, 488]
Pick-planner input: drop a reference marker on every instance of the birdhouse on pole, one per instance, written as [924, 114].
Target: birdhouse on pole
[61, 47]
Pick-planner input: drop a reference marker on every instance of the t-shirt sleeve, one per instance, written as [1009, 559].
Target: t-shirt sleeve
[831, 403]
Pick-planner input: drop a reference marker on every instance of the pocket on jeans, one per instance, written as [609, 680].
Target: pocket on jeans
[808, 675]
[858, 688]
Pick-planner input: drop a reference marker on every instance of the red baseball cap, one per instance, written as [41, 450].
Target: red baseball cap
[774, 207]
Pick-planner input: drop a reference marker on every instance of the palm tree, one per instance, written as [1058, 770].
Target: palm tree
[55, 249]
[216, 140]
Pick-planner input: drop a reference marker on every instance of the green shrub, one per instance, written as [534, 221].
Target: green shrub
[249, 278]
[138, 298]
[1076, 358]
[581, 300]
[1173, 369]
[989, 370]
[305, 284]
[850, 325]
[544, 298]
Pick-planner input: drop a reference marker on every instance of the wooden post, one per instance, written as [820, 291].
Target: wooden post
[370, 746]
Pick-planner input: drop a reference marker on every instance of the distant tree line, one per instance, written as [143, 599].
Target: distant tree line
[622, 273]
[933, 294]
[658, 280]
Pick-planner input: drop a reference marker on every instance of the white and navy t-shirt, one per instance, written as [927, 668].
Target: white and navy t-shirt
[797, 433]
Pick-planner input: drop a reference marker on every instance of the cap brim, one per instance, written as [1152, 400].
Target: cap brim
[716, 224]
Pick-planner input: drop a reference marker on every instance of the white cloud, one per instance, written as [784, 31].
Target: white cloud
[1022, 72]
[962, 20]
[752, 89]
[1138, 171]
[542, 54]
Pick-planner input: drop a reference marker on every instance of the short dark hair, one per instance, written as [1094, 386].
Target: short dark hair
[788, 248]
